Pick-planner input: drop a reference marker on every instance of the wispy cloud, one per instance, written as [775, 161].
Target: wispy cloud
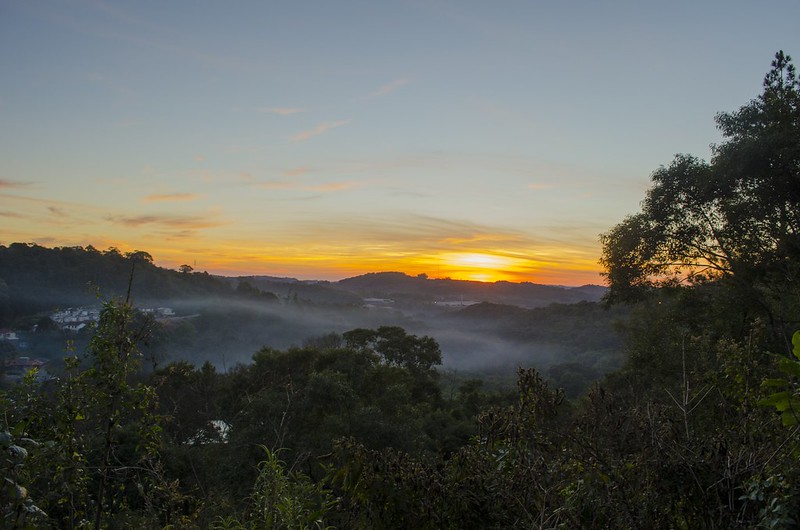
[58, 212]
[420, 232]
[15, 215]
[319, 129]
[5, 183]
[168, 221]
[540, 186]
[281, 111]
[391, 87]
[171, 197]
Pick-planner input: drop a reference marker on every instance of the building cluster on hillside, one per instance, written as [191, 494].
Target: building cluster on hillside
[8, 334]
[158, 312]
[70, 320]
[76, 318]
[14, 370]
[378, 303]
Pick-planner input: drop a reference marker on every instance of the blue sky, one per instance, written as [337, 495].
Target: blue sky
[476, 140]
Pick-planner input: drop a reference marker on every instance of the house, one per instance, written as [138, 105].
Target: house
[75, 327]
[7, 334]
[16, 369]
[75, 319]
[378, 303]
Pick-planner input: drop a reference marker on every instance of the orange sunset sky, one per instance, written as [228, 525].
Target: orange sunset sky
[321, 140]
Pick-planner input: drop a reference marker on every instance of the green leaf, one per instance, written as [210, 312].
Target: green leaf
[789, 367]
[796, 344]
[782, 401]
[774, 382]
[779, 398]
[789, 418]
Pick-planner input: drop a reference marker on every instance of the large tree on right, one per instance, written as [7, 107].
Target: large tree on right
[735, 218]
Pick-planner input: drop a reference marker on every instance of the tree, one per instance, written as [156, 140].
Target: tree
[185, 269]
[397, 347]
[139, 255]
[737, 217]
[98, 435]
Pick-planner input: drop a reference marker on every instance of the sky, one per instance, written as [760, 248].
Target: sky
[325, 139]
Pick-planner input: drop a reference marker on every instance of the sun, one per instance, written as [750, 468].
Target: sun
[482, 266]
[482, 261]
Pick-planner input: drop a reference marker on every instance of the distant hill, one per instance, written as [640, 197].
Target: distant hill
[398, 285]
[35, 278]
[316, 292]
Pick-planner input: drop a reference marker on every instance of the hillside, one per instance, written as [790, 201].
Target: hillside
[481, 327]
[401, 286]
[35, 278]
[290, 289]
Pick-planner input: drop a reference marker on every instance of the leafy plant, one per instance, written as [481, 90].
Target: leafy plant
[19, 509]
[787, 399]
[282, 500]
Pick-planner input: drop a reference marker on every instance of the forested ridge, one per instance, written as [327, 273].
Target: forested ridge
[699, 428]
[34, 278]
[223, 320]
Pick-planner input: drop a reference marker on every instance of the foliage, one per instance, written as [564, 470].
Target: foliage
[35, 278]
[282, 500]
[19, 509]
[736, 216]
[97, 463]
[786, 399]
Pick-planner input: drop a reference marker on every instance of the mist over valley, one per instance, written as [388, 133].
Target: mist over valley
[482, 328]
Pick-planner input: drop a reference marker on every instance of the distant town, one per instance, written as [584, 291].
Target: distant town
[16, 344]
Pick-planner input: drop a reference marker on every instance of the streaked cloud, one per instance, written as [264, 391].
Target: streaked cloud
[58, 212]
[540, 186]
[171, 197]
[281, 111]
[5, 183]
[168, 221]
[419, 232]
[15, 215]
[391, 87]
[441, 247]
[322, 128]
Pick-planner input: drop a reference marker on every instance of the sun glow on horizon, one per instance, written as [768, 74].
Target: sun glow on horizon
[486, 267]
[549, 265]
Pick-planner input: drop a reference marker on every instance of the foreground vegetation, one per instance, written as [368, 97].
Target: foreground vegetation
[699, 428]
